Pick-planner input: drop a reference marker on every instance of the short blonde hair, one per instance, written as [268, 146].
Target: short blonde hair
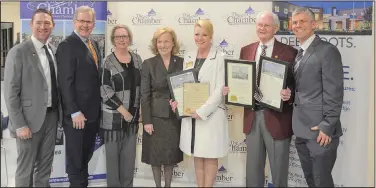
[121, 26]
[207, 25]
[83, 9]
[158, 33]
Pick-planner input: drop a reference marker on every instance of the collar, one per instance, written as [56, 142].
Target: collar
[307, 43]
[38, 44]
[82, 38]
[268, 44]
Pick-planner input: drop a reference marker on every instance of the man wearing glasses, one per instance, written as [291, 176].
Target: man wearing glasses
[78, 60]
[268, 131]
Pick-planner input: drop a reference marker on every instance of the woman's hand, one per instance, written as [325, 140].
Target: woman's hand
[225, 90]
[149, 128]
[195, 115]
[173, 104]
[127, 116]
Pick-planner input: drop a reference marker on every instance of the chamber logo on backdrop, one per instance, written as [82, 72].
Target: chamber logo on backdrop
[59, 9]
[226, 48]
[242, 18]
[150, 18]
[111, 20]
[182, 51]
[135, 170]
[178, 172]
[192, 18]
[98, 143]
[139, 139]
[134, 48]
[238, 147]
[223, 176]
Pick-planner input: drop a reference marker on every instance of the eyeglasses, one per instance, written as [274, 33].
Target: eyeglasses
[84, 21]
[121, 37]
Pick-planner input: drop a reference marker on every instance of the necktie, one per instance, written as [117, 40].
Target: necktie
[258, 94]
[298, 58]
[93, 53]
[53, 79]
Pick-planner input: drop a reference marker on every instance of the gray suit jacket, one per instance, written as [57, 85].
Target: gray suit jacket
[318, 91]
[155, 93]
[25, 88]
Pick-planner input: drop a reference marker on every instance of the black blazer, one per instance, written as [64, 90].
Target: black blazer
[155, 93]
[78, 79]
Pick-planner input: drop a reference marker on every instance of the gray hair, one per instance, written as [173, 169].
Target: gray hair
[306, 10]
[83, 9]
[275, 17]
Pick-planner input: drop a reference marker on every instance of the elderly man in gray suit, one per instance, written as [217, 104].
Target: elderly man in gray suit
[318, 101]
[31, 96]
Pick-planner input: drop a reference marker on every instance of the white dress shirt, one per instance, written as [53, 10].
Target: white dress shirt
[307, 43]
[45, 64]
[268, 50]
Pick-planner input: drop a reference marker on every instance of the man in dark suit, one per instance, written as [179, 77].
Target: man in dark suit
[78, 60]
[32, 99]
[267, 129]
[318, 101]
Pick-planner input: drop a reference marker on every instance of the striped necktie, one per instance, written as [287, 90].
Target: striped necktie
[297, 59]
[258, 94]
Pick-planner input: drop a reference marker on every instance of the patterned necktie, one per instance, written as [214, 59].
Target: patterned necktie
[258, 94]
[53, 79]
[93, 53]
[297, 59]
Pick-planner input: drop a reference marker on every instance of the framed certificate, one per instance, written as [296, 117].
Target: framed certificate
[240, 78]
[195, 95]
[176, 84]
[273, 75]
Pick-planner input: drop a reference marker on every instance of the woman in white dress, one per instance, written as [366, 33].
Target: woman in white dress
[205, 134]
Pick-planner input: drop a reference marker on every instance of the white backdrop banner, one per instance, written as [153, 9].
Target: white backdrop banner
[234, 27]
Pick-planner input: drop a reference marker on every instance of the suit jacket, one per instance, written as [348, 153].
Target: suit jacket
[155, 93]
[25, 88]
[319, 91]
[78, 79]
[277, 123]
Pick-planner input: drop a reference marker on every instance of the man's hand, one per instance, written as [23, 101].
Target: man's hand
[195, 115]
[285, 94]
[24, 133]
[225, 90]
[79, 121]
[127, 116]
[323, 139]
[149, 128]
[174, 105]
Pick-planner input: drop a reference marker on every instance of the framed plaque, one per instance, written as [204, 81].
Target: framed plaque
[176, 84]
[195, 95]
[272, 79]
[240, 78]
